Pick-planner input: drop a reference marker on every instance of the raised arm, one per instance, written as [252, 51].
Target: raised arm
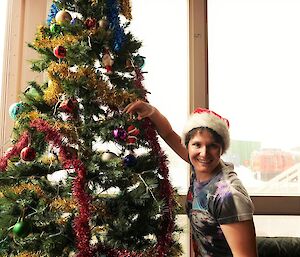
[163, 126]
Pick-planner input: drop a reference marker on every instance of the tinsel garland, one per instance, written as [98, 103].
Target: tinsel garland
[52, 12]
[14, 150]
[113, 10]
[81, 222]
[43, 42]
[126, 9]
[31, 187]
[166, 190]
[106, 95]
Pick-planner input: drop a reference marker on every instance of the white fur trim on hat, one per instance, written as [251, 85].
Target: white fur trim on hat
[206, 118]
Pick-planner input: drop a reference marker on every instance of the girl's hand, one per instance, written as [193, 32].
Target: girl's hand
[141, 108]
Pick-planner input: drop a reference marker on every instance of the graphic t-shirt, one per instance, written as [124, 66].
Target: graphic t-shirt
[221, 200]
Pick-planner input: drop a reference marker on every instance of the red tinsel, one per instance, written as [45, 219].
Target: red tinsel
[81, 222]
[166, 191]
[14, 151]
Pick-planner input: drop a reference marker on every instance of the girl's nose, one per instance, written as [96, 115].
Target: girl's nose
[203, 151]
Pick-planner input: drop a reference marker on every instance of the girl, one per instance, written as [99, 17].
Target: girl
[218, 206]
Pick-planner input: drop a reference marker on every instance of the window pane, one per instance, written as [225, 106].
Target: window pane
[254, 62]
[162, 26]
[273, 226]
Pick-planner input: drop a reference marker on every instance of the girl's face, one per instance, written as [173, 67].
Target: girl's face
[204, 153]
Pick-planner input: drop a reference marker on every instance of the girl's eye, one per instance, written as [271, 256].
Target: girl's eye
[214, 146]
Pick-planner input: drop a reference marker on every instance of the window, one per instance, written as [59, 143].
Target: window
[253, 64]
[162, 27]
[253, 79]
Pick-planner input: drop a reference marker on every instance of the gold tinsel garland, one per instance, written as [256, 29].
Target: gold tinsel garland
[126, 9]
[30, 187]
[63, 204]
[30, 254]
[30, 115]
[68, 129]
[53, 91]
[46, 42]
[107, 95]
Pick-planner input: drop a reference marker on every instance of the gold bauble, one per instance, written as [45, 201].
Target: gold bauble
[63, 17]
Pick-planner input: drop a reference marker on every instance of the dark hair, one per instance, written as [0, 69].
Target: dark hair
[215, 135]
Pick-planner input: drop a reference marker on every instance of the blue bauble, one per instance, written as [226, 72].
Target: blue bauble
[15, 109]
[139, 61]
[130, 160]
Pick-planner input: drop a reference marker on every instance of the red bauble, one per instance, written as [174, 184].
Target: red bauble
[132, 130]
[108, 69]
[28, 154]
[60, 52]
[90, 23]
[68, 105]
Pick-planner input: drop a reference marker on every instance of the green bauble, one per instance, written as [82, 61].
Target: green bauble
[55, 28]
[21, 229]
[33, 94]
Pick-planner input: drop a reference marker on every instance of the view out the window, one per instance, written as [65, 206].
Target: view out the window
[254, 64]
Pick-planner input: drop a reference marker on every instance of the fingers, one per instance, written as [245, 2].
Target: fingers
[132, 107]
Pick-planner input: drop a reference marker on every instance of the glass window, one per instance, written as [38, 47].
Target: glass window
[162, 27]
[254, 62]
[165, 48]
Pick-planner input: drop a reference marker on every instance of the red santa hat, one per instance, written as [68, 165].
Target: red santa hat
[206, 118]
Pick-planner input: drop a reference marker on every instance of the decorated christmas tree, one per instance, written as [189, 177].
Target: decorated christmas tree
[81, 177]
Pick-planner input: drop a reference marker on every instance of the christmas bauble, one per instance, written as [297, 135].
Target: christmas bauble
[68, 105]
[132, 130]
[21, 229]
[120, 134]
[60, 52]
[33, 93]
[55, 28]
[103, 23]
[63, 17]
[107, 156]
[15, 109]
[130, 160]
[90, 23]
[139, 61]
[28, 153]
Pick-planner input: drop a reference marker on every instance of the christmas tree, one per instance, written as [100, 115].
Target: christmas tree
[82, 178]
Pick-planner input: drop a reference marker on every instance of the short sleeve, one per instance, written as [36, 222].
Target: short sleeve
[231, 202]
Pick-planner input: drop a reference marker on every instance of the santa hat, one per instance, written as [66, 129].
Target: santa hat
[207, 118]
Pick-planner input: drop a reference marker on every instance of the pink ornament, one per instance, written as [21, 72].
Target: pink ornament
[120, 134]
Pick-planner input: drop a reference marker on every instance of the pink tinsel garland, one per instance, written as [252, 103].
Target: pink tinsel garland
[81, 222]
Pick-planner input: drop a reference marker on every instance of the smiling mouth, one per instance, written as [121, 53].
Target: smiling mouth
[204, 162]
